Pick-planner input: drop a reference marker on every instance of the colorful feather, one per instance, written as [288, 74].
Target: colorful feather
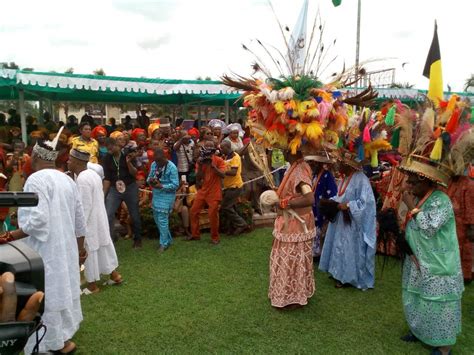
[374, 159]
[395, 141]
[295, 144]
[390, 118]
[453, 122]
[437, 151]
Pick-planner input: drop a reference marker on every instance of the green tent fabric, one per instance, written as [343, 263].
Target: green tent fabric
[111, 89]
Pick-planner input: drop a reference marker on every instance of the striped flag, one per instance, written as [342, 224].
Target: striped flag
[433, 70]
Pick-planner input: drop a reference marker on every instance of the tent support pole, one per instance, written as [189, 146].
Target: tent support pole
[50, 109]
[226, 111]
[21, 102]
[40, 118]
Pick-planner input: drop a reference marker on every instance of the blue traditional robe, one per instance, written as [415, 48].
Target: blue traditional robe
[349, 249]
[325, 188]
[163, 199]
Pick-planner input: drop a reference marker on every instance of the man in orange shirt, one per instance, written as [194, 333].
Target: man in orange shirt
[210, 171]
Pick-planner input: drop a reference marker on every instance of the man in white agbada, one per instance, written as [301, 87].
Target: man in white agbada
[55, 229]
[101, 256]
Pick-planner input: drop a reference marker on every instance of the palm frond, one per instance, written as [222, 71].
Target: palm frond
[365, 98]
[239, 82]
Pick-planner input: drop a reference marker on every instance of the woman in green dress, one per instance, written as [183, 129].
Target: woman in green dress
[432, 278]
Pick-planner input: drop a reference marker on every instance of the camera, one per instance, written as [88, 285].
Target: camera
[205, 155]
[169, 143]
[129, 150]
[27, 266]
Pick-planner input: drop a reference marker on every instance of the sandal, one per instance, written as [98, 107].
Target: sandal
[72, 351]
[111, 282]
[88, 292]
[339, 284]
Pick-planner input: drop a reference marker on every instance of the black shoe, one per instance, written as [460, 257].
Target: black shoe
[409, 338]
[436, 351]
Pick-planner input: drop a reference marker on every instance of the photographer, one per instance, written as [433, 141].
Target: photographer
[163, 178]
[120, 186]
[184, 148]
[210, 171]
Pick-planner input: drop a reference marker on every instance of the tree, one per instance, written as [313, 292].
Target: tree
[99, 72]
[401, 86]
[69, 71]
[205, 78]
[469, 83]
[11, 65]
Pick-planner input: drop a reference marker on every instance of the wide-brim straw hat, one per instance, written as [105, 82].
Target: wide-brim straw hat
[350, 159]
[423, 166]
[320, 157]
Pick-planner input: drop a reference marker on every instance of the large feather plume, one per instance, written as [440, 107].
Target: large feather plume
[462, 152]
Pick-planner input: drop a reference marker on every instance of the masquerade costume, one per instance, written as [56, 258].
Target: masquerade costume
[432, 293]
[295, 111]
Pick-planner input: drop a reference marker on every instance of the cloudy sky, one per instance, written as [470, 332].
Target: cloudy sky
[184, 39]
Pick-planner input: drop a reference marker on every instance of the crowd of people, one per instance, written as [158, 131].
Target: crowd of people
[89, 176]
[148, 165]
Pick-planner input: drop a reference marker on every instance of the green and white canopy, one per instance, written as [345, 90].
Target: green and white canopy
[94, 88]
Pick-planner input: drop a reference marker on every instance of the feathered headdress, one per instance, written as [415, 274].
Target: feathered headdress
[47, 150]
[364, 137]
[443, 142]
[294, 108]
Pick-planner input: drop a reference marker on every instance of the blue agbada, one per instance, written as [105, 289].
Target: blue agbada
[163, 199]
[349, 249]
[325, 187]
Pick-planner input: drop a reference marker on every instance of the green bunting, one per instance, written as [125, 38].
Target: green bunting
[390, 118]
[336, 2]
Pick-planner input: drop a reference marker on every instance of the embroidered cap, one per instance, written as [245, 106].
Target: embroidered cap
[47, 150]
[80, 155]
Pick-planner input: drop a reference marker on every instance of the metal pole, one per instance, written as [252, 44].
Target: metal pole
[51, 110]
[226, 111]
[21, 99]
[40, 109]
[199, 112]
[357, 42]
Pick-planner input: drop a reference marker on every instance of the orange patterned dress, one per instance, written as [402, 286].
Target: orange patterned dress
[291, 259]
[461, 193]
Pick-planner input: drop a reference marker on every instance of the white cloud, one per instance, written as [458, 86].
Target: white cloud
[186, 39]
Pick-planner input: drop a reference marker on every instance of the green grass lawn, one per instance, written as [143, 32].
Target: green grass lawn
[199, 298]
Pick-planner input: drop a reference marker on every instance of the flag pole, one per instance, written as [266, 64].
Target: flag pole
[357, 43]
